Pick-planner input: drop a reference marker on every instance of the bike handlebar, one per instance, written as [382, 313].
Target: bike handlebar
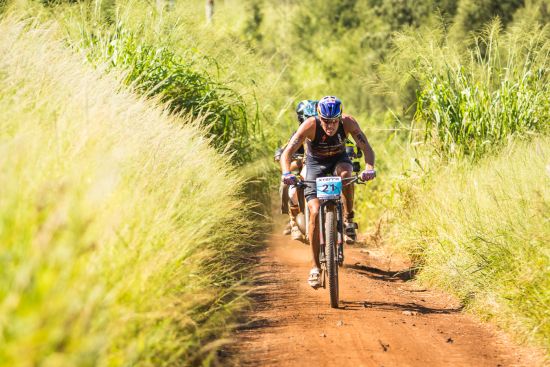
[354, 179]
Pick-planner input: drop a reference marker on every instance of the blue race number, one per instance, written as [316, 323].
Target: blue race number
[329, 187]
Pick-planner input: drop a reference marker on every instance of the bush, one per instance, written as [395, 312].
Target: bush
[470, 102]
[156, 70]
[482, 233]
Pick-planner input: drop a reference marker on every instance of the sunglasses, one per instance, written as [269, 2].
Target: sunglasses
[330, 121]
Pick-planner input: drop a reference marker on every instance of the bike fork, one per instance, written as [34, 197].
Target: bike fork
[340, 230]
[320, 223]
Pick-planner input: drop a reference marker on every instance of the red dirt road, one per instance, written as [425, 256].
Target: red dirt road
[384, 319]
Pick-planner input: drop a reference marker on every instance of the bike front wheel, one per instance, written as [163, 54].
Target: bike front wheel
[331, 255]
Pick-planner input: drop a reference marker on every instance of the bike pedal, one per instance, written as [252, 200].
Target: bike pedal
[350, 240]
[340, 255]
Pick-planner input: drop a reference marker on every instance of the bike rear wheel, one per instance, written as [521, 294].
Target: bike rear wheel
[331, 255]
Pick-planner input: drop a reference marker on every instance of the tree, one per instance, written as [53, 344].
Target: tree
[209, 11]
[473, 14]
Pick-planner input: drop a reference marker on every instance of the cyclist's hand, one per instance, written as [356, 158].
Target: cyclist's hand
[288, 178]
[368, 174]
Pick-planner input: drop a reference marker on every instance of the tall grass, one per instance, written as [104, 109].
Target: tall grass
[156, 69]
[481, 232]
[475, 218]
[122, 234]
[472, 100]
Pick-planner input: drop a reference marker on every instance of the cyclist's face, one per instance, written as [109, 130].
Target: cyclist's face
[330, 125]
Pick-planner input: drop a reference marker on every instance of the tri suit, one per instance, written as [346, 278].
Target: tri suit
[324, 152]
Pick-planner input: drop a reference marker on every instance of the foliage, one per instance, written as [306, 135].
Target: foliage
[472, 15]
[335, 47]
[471, 103]
[253, 23]
[158, 70]
[341, 47]
[476, 226]
[117, 246]
[482, 233]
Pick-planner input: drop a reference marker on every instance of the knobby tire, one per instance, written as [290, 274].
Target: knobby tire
[331, 256]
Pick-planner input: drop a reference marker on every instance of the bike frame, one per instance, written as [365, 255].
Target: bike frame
[304, 208]
[331, 261]
[330, 204]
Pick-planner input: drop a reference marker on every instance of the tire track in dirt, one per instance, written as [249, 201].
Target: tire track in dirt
[384, 319]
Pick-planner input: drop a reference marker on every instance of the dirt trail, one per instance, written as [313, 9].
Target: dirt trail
[384, 319]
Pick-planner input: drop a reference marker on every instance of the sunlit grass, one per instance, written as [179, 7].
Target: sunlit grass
[482, 233]
[472, 99]
[121, 231]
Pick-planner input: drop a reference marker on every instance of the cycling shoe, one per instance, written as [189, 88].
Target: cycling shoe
[350, 234]
[296, 234]
[314, 279]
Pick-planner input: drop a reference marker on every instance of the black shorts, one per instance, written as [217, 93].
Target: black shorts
[321, 167]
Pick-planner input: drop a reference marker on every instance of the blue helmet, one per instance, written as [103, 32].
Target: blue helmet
[329, 107]
[305, 109]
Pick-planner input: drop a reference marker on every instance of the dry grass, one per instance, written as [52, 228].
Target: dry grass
[121, 231]
[482, 233]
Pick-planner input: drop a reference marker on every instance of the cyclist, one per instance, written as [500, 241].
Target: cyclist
[325, 137]
[288, 194]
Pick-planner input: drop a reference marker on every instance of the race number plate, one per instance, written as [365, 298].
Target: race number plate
[329, 187]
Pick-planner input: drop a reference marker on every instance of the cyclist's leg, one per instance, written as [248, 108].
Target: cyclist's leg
[296, 166]
[293, 197]
[313, 206]
[314, 278]
[289, 202]
[300, 193]
[314, 170]
[283, 195]
[344, 169]
[293, 211]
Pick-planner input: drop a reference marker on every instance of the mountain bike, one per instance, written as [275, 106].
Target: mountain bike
[302, 218]
[331, 229]
[285, 194]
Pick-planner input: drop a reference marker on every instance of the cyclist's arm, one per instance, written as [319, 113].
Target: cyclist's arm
[293, 145]
[297, 140]
[361, 141]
